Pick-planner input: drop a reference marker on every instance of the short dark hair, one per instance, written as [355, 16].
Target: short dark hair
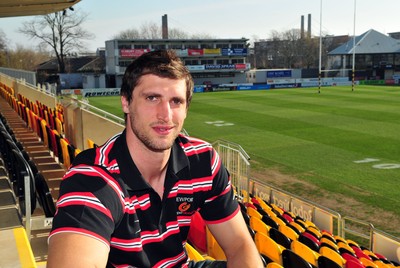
[163, 63]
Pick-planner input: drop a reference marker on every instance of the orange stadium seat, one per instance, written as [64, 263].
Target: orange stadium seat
[258, 225]
[305, 252]
[268, 248]
[333, 255]
[274, 265]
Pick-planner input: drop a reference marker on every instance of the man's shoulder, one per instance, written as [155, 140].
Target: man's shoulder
[193, 145]
[101, 155]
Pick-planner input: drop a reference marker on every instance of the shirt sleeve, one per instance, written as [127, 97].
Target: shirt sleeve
[88, 203]
[220, 204]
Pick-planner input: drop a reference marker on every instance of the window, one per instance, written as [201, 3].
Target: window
[221, 45]
[191, 62]
[175, 46]
[237, 61]
[124, 46]
[191, 46]
[205, 62]
[158, 46]
[223, 61]
[141, 46]
[124, 63]
[206, 46]
[237, 45]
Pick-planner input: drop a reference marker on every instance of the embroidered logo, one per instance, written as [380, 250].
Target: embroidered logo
[184, 207]
[185, 204]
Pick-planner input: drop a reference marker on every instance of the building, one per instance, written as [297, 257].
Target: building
[210, 61]
[377, 57]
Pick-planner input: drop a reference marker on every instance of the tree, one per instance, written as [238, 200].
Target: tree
[62, 31]
[151, 30]
[24, 58]
[3, 48]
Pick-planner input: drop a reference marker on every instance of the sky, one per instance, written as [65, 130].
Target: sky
[252, 19]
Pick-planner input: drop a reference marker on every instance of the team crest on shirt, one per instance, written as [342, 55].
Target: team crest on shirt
[184, 204]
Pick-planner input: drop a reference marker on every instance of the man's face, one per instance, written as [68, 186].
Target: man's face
[157, 111]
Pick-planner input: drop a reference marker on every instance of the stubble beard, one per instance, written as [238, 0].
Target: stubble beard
[152, 143]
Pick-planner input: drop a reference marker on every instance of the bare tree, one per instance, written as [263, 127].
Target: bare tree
[24, 58]
[3, 48]
[151, 30]
[62, 31]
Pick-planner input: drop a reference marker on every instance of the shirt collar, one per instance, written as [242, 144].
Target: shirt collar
[130, 174]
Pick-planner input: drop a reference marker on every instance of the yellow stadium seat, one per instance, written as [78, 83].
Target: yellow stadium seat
[90, 143]
[305, 252]
[274, 265]
[333, 255]
[329, 242]
[214, 250]
[253, 213]
[268, 247]
[368, 263]
[297, 226]
[193, 254]
[314, 231]
[258, 225]
[289, 232]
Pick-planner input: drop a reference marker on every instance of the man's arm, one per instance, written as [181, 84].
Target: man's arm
[76, 250]
[234, 238]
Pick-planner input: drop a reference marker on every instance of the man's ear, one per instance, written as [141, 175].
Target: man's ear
[125, 104]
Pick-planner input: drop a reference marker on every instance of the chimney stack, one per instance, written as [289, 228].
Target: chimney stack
[164, 26]
[302, 27]
[309, 26]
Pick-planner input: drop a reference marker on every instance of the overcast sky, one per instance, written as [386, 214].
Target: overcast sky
[227, 18]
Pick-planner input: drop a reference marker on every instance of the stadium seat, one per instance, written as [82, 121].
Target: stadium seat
[312, 243]
[328, 242]
[291, 259]
[289, 232]
[274, 265]
[325, 262]
[258, 225]
[252, 212]
[65, 153]
[348, 257]
[296, 225]
[354, 264]
[44, 195]
[368, 263]
[214, 250]
[268, 248]
[332, 254]
[345, 248]
[270, 222]
[359, 253]
[22, 169]
[193, 254]
[197, 233]
[280, 238]
[305, 252]
[314, 231]
[45, 138]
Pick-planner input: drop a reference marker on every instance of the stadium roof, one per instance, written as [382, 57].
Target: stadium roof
[370, 42]
[15, 8]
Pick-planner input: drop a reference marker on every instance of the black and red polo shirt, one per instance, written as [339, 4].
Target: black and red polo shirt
[103, 195]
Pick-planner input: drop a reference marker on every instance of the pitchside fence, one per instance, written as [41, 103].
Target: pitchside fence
[80, 115]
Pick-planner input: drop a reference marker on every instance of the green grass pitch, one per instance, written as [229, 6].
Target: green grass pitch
[341, 140]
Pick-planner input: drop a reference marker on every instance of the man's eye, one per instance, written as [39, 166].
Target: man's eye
[152, 98]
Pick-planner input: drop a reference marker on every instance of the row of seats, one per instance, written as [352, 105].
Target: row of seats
[286, 240]
[47, 123]
[19, 165]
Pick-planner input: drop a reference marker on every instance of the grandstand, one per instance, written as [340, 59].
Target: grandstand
[41, 134]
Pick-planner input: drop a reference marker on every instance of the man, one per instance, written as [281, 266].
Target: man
[129, 202]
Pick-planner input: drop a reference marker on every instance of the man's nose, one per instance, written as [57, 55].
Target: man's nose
[164, 111]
